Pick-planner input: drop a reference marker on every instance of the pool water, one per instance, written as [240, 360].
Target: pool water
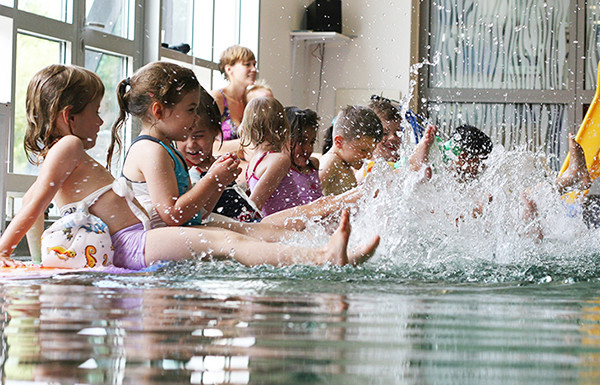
[449, 298]
[208, 323]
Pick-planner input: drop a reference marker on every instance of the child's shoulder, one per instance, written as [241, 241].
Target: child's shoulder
[65, 155]
[277, 158]
[269, 161]
[148, 147]
[70, 142]
[67, 145]
[330, 160]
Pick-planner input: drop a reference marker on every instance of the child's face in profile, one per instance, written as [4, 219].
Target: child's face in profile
[197, 147]
[389, 145]
[355, 151]
[181, 118]
[303, 150]
[86, 124]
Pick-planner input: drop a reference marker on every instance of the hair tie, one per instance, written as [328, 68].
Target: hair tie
[128, 81]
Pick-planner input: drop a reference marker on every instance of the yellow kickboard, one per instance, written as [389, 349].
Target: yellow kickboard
[588, 136]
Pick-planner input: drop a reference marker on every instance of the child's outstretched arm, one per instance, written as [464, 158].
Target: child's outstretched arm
[295, 218]
[161, 181]
[276, 166]
[59, 163]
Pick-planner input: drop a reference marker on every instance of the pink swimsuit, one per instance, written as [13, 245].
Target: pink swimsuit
[295, 189]
[229, 129]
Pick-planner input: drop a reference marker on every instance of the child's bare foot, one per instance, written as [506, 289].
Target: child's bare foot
[421, 155]
[336, 250]
[363, 252]
[576, 175]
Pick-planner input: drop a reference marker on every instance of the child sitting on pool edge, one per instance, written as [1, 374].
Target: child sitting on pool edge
[388, 148]
[273, 184]
[197, 149]
[356, 132]
[63, 122]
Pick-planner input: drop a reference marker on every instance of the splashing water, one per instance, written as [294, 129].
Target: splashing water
[429, 232]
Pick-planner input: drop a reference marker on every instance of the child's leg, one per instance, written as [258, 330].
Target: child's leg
[529, 215]
[420, 157]
[293, 219]
[174, 243]
[266, 232]
[577, 174]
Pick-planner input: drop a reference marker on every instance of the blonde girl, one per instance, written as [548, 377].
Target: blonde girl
[63, 122]
[267, 132]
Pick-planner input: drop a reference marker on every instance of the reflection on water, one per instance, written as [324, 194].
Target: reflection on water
[235, 325]
[449, 298]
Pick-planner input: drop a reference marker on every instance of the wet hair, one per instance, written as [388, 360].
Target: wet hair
[355, 122]
[265, 121]
[300, 120]
[208, 111]
[166, 83]
[328, 139]
[49, 92]
[472, 141]
[234, 54]
[385, 110]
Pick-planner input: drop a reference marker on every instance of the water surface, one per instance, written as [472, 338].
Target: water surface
[212, 323]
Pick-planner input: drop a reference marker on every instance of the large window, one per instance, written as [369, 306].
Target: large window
[46, 51]
[97, 34]
[208, 27]
[521, 70]
[112, 38]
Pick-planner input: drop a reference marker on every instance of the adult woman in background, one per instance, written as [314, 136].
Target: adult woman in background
[238, 66]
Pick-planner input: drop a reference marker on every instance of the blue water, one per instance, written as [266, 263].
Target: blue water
[218, 323]
[449, 298]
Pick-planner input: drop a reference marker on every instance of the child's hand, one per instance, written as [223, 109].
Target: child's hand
[225, 170]
[7, 261]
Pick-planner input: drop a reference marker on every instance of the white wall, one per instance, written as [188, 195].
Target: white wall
[378, 57]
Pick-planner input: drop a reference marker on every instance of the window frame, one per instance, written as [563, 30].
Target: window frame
[575, 97]
[78, 37]
[213, 64]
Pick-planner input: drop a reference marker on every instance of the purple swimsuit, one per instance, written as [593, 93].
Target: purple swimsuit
[129, 245]
[230, 130]
[295, 189]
